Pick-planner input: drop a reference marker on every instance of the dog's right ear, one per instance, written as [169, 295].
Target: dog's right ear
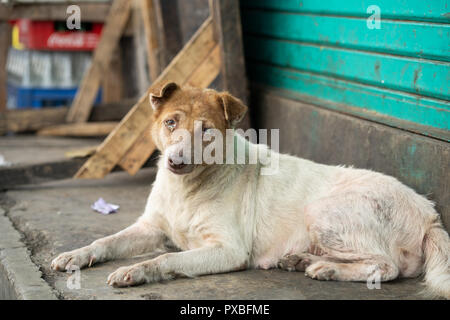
[161, 94]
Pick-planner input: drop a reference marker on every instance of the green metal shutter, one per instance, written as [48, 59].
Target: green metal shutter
[325, 53]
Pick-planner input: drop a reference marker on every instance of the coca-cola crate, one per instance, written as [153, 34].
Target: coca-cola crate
[54, 35]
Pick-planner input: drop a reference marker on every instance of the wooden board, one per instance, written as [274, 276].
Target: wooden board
[153, 43]
[228, 33]
[89, 129]
[23, 120]
[131, 128]
[112, 31]
[5, 41]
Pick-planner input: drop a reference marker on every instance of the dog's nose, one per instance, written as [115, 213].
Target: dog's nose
[176, 166]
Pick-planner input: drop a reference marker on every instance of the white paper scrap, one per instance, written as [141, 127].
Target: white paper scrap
[103, 207]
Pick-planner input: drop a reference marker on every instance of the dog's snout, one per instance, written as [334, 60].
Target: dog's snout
[175, 165]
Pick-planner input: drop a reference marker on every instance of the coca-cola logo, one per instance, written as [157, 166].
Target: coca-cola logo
[72, 40]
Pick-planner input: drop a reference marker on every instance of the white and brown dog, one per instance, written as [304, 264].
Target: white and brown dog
[334, 223]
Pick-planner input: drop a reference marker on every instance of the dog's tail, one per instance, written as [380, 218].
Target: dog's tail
[436, 248]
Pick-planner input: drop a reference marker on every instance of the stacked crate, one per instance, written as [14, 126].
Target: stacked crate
[47, 61]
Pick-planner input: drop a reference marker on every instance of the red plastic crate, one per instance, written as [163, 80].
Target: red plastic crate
[41, 35]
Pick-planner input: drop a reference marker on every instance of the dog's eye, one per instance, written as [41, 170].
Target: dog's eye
[205, 130]
[170, 124]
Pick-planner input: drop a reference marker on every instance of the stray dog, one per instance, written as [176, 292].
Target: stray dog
[333, 223]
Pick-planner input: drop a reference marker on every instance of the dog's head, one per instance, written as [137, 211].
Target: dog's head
[181, 115]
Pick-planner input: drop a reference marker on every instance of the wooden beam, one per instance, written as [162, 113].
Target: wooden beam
[139, 48]
[150, 17]
[116, 145]
[35, 119]
[111, 33]
[228, 32]
[207, 72]
[89, 129]
[90, 12]
[5, 42]
[112, 81]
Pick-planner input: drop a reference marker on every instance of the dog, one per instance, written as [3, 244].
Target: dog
[331, 222]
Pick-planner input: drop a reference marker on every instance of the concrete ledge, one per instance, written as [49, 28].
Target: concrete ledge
[20, 278]
[334, 138]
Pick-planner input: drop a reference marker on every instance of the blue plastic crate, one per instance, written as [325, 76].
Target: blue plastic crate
[24, 97]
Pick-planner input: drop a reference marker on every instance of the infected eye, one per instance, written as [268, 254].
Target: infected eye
[170, 124]
[205, 130]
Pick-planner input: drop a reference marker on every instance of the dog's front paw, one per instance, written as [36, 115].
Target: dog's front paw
[80, 257]
[128, 276]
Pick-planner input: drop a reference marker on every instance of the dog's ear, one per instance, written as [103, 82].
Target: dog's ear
[234, 109]
[159, 95]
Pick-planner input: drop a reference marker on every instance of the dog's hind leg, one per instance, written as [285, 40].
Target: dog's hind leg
[347, 242]
[341, 267]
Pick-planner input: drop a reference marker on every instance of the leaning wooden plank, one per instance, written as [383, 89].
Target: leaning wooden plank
[150, 18]
[112, 30]
[228, 32]
[138, 154]
[133, 125]
[35, 119]
[207, 71]
[89, 129]
[5, 40]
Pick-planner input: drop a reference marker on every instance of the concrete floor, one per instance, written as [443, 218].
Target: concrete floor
[56, 217]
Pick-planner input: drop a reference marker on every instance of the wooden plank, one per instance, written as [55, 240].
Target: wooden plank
[412, 75]
[34, 119]
[112, 80]
[134, 124]
[390, 9]
[81, 153]
[139, 48]
[229, 35]
[207, 71]
[400, 38]
[365, 101]
[5, 42]
[112, 30]
[90, 129]
[90, 12]
[138, 154]
[150, 19]
[228, 32]
[142, 149]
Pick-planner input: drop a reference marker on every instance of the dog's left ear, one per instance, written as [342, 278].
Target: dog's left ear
[161, 94]
[234, 109]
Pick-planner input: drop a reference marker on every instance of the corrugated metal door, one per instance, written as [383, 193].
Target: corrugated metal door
[334, 54]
